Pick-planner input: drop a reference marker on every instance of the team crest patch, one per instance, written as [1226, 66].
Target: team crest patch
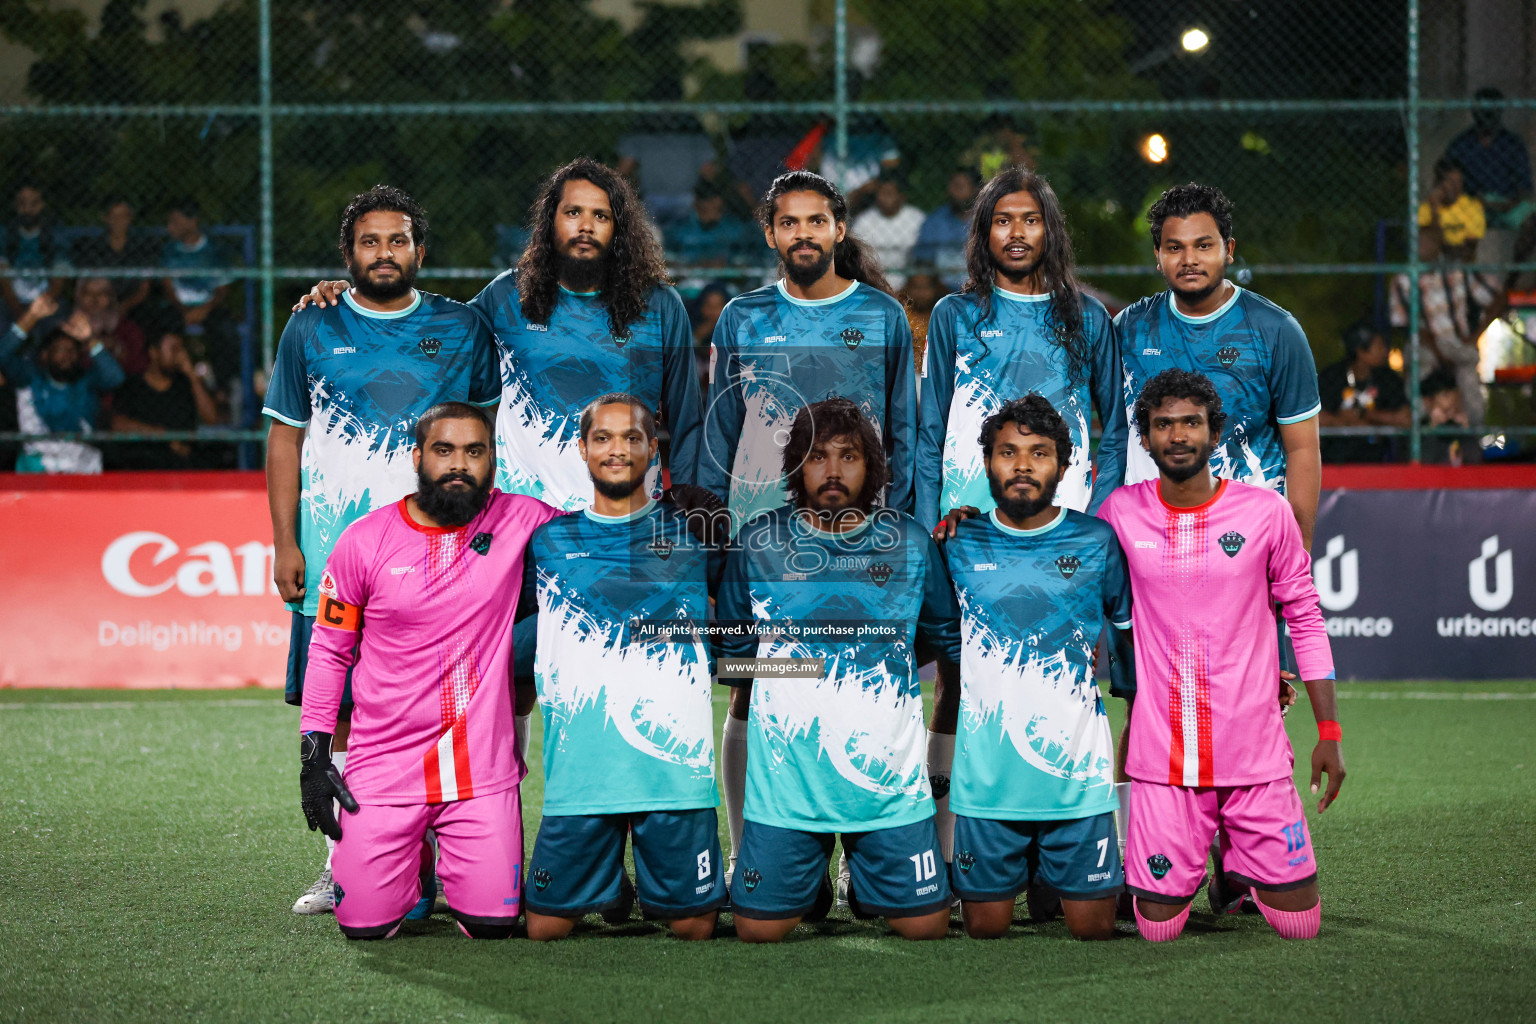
[881, 572]
[430, 347]
[542, 878]
[1232, 542]
[752, 878]
[662, 547]
[966, 861]
[327, 583]
[1227, 355]
[940, 785]
[481, 544]
[1158, 865]
[1068, 565]
[851, 337]
[336, 894]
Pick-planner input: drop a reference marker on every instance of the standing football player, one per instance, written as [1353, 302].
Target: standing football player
[417, 604]
[829, 326]
[1255, 354]
[628, 721]
[1033, 783]
[348, 382]
[1019, 324]
[837, 749]
[1209, 560]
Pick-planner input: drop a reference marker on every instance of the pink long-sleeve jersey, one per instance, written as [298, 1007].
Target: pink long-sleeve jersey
[426, 613]
[1206, 581]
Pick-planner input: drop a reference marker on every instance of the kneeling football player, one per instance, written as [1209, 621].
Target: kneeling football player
[1209, 560]
[418, 599]
[628, 722]
[1033, 782]
[843, 587]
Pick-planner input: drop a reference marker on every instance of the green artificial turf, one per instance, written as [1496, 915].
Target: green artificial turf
[151, 844]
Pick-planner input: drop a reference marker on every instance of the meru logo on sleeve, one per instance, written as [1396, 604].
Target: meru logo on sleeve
[1227, 355]
[481, 544]
[851, 337]
[881, 572]
[1068, 565]
[1232, 542]
[430, 347]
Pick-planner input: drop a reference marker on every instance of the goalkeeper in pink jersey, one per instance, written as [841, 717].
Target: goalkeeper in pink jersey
[1209, 561]
[420, 595]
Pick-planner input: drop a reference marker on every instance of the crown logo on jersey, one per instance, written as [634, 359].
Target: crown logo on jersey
[851, 337]
[337, 895]
[1069, 564]
[430, 347]
[881, 572]
[542, 878]
[1159, 865]
[481, 544]
[1232, 542]
[752, 877]
[662, 547]
[1227, 355]
[966, 861]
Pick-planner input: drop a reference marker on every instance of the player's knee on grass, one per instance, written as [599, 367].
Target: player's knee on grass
[987, 920]
[923, 928]
[1293, 913]
[1091, 920]
[546, 928]
[1160, 922]
[752, 929]
[483, 928]
[694, 929]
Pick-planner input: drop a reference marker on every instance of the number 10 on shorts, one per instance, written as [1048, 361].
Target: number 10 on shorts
[923, 863]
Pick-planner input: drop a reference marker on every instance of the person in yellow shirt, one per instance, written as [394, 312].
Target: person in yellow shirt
[1459, 216]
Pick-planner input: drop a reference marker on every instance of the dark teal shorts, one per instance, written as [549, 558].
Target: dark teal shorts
[1077, 859]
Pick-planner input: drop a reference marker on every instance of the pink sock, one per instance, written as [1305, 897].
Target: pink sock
[1160, 931]
[1291, 924]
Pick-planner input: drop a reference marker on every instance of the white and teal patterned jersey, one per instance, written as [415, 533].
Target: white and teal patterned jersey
[841, 752]
[628, 723]
[976, 364]
[1256, 355]
[774, 354]
[357, 380]
[1034, 743]
[551, 371]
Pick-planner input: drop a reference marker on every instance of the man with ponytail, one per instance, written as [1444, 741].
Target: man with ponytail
[829, 327]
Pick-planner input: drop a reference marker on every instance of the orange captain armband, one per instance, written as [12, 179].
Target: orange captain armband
[1329, 730]
[340, 615]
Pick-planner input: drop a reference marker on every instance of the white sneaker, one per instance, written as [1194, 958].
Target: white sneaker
[320, 898]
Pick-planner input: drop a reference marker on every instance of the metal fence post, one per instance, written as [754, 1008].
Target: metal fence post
[840, 82]
[268, 283]
[1411, 236]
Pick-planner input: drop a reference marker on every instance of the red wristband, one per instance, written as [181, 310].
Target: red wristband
[1330, 731]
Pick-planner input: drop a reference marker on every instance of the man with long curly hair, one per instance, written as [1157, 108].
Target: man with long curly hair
[589, 309]
[829, 327]
[1019, 324]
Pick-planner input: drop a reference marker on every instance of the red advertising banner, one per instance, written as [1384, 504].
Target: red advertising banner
[139, 580]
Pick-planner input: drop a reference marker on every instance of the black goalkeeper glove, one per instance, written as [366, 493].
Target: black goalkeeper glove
[320, 783]
[703, 511]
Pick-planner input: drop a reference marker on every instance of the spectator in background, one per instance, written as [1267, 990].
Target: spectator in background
[199, 298]
[941, 241]
[1361, 390]
[1441, 399]
[168, 395]
[661, 157]
[708, 237]
[1003, 143]
[1497, 168]
[704, 312]
[1455, 214]
[921, 293]
[117, 248]
[27, 244]
[61, 391]
[1456, 306]
[872, 155]
[890, 227]
[98, 300]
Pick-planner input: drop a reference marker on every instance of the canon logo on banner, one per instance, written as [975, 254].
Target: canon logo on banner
[1343, 596]
[209, 568]
[1503, 591]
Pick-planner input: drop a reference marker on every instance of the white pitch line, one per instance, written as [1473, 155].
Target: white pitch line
[102, 705]
[1433, 695]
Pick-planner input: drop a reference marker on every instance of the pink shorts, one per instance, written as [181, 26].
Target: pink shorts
[1264, 838]
[378, 863]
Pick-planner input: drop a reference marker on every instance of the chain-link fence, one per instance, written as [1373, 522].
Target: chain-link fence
[178, 172]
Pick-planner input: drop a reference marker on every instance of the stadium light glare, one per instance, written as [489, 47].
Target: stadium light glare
[1154, 149]
[1194, 40]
